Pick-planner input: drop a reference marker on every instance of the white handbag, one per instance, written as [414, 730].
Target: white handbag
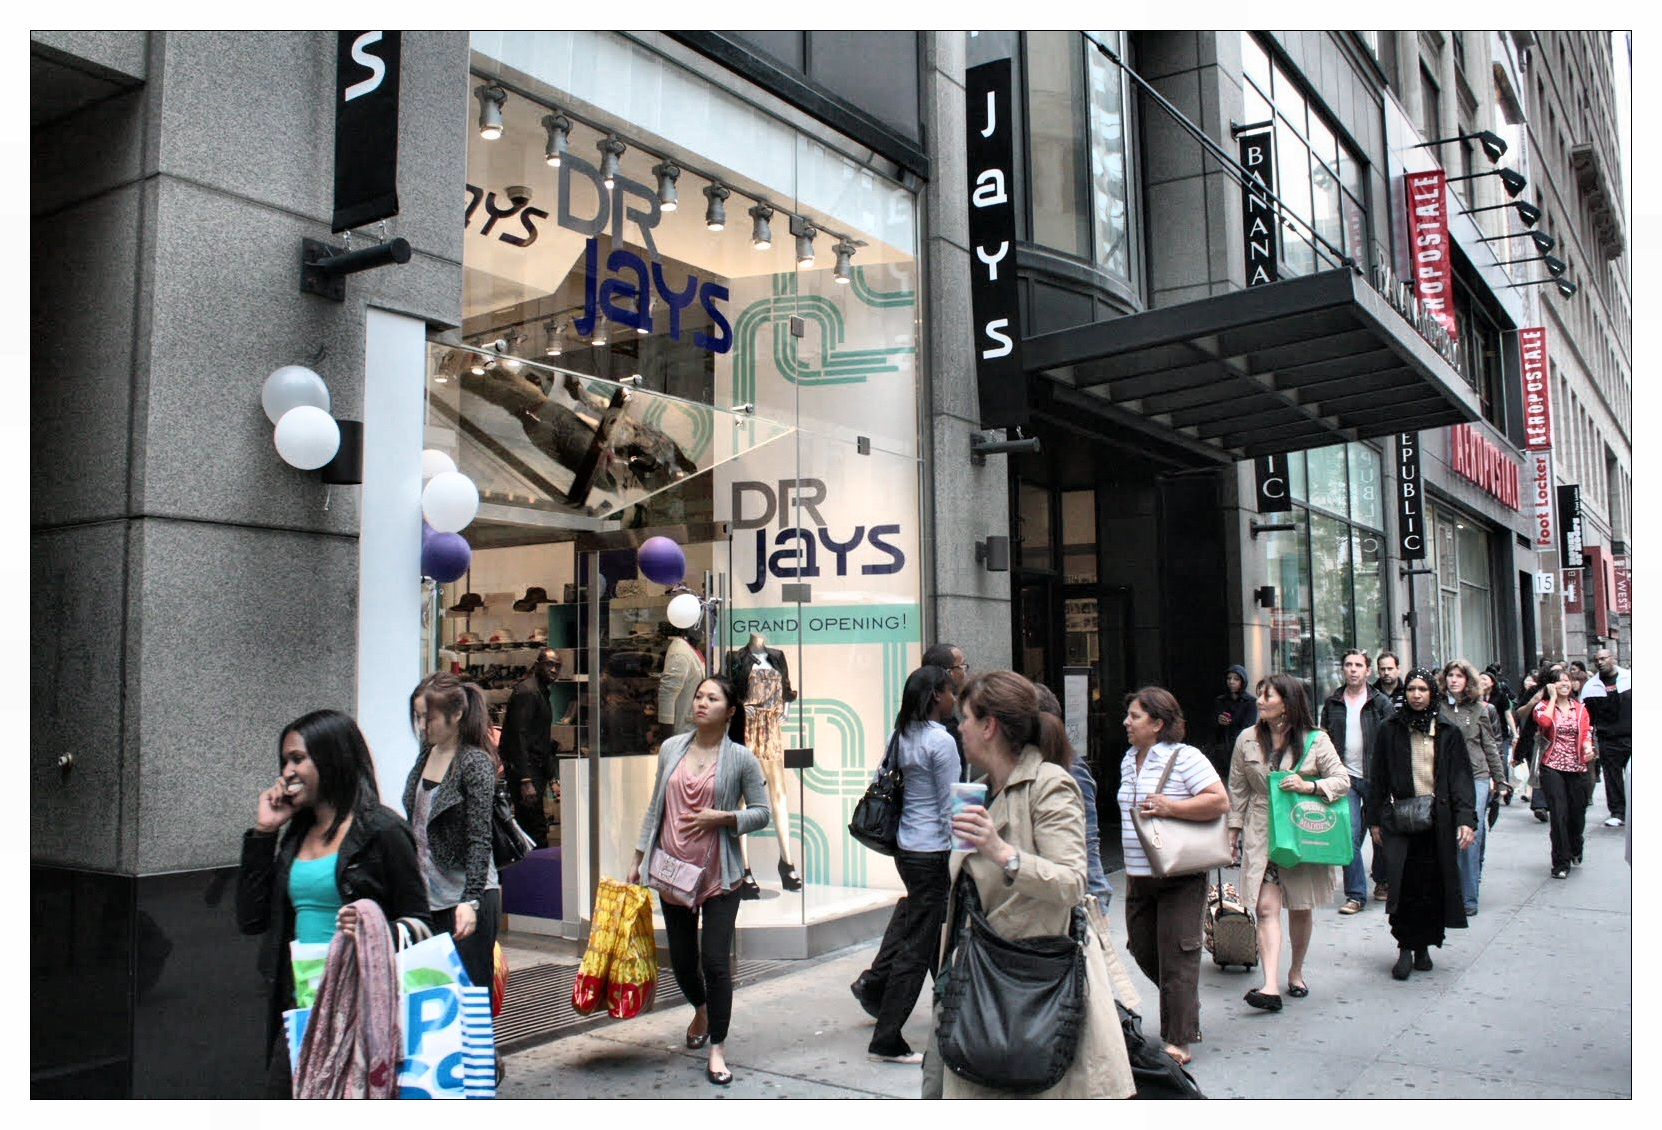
[675, 880]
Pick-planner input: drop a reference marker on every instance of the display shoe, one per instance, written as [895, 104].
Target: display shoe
[1269, 1002]
[1405, 962]
[748, 887]
[1422, 960]
[788, 877]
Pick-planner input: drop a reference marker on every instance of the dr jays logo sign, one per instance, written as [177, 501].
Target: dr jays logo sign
[992, 235]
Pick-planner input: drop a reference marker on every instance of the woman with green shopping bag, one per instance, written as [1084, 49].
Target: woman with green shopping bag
[1284, 738]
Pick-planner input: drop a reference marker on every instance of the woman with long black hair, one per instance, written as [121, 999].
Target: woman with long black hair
[1416, 756]
[928, 759]
[449, 796]
[709, 791]
[338, 844]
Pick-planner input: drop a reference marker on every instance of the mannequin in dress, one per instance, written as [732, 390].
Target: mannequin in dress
[762, 679]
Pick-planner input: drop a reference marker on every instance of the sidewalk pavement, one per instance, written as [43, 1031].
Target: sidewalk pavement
[1533, 1001]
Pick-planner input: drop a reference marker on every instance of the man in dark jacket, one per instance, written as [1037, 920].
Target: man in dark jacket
[1352, 716]
[1609, 701]
[527, 745]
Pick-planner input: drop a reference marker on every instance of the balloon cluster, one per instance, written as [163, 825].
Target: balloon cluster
[296, 400]
[662, 561]
[449, 502]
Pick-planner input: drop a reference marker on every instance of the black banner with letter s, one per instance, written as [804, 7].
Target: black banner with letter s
[1569, 526]
[990, 146]
[366, 127]
[1410, 499]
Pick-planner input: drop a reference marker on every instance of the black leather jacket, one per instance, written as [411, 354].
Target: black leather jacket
[1374, 713]
[376, 860]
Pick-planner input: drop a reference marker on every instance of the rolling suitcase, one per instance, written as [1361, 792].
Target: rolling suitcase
[1231, 933]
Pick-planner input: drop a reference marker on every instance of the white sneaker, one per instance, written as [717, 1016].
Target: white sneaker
[1613, 822]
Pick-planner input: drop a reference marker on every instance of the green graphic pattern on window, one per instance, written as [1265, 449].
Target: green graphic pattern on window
[840, 366]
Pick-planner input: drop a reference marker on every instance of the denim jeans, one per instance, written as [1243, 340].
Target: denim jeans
[1471, 860]
[1356, 877]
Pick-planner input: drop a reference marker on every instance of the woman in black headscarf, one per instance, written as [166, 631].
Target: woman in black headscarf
[1416, 756]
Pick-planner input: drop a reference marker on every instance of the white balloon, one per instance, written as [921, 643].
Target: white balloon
[435, 462]
[307, 437]
[291, 387]
[685, 610]
[450, 501]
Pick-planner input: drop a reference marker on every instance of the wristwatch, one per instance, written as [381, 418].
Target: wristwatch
[474, 903]
[1011, 866]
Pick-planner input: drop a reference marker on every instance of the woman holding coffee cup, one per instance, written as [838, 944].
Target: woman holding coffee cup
[928, 759]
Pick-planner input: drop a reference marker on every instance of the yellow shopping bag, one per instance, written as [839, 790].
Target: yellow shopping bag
[589, 989]
[633, 980]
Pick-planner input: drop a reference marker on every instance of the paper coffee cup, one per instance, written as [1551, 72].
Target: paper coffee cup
[963, 795]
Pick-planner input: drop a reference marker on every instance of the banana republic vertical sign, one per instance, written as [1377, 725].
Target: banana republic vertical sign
[1258, 238]
[990, 145]
[366, 127]
[1410, 499]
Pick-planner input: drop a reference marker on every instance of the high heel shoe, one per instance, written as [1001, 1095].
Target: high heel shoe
[788, 877]
[748, 887]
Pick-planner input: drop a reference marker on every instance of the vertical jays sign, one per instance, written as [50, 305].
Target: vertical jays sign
[366, 127]
[992, 234]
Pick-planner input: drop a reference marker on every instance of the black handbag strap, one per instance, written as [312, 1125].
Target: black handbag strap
[966, 904]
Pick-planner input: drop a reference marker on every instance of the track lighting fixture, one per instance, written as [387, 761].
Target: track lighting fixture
[1527, 212]
[1494, 145]
[610, 150]
[805, 231]
[559, 133]
[761, 235]
[491, 97]
[667, 172]
[844, 271]
[715, 211]
[556, 340]
[598, 338]
[1513, 181]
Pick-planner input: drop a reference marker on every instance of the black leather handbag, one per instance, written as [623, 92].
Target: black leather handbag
[1407, 816]
[876, 818]
[509, 842]
[1009, 1012]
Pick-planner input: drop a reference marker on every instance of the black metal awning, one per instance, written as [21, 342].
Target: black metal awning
[1301, 363]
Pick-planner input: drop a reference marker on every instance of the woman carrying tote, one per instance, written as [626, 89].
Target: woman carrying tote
[1564, 750]
[709, 791]
[1285, 739]
[1416, 758]
[1164, 917]
[1028, 868]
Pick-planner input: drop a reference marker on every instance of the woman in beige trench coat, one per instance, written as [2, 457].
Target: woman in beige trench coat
[1029, 871]
[1285, 726]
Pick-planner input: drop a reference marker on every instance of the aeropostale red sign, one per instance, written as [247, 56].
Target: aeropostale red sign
[1537, 402]
[1429, 246]
[1473, 457]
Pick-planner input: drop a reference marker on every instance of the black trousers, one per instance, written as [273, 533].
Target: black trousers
[478, 949]
[916, 926]
[1567, 795]
[529, 815]
[704, 966]
[1613, 755]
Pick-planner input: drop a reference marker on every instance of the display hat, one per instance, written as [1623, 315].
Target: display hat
[533, 597]
[470, 603]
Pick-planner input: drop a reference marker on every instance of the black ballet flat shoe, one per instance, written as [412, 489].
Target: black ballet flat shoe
[1404, 963]
[1422, 960]
[748, 887]
[1269, 1002]
[698, 1041]
[788, 877]
[719, 1078]
[1299, 991]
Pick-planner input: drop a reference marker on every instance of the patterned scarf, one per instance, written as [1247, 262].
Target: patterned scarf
[1425, 720]
[353, 1044]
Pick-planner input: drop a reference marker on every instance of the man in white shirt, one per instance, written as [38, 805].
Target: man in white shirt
[1352, 716]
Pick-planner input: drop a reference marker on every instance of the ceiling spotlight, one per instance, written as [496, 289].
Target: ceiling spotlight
[844, 272]
[491, 97]
[715, 212]
[610, 150]
[667, 173]
[556, 340]
[559, 133]
[518, 194]
[761, 235]
[805, 231]
[598, 338]
[478, 367]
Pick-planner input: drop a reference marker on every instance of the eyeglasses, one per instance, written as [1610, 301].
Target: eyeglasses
[964, 667]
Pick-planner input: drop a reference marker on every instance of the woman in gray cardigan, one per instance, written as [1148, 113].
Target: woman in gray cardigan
[709, 791]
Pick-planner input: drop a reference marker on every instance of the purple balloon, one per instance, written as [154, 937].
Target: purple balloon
[445, 557]
[662, 561]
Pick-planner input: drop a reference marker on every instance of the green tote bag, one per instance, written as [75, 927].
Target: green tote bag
[1306, 829]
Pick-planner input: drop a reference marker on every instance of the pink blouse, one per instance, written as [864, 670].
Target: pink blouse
[685, 794]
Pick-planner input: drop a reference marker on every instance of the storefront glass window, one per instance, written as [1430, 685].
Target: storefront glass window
[1034, 527]
[1329, 483]
[1079, 537]
[1056, 109]
[1291, 641]
[1112, 233]
[1365, 502]
[1331, 580]
[633, 372]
